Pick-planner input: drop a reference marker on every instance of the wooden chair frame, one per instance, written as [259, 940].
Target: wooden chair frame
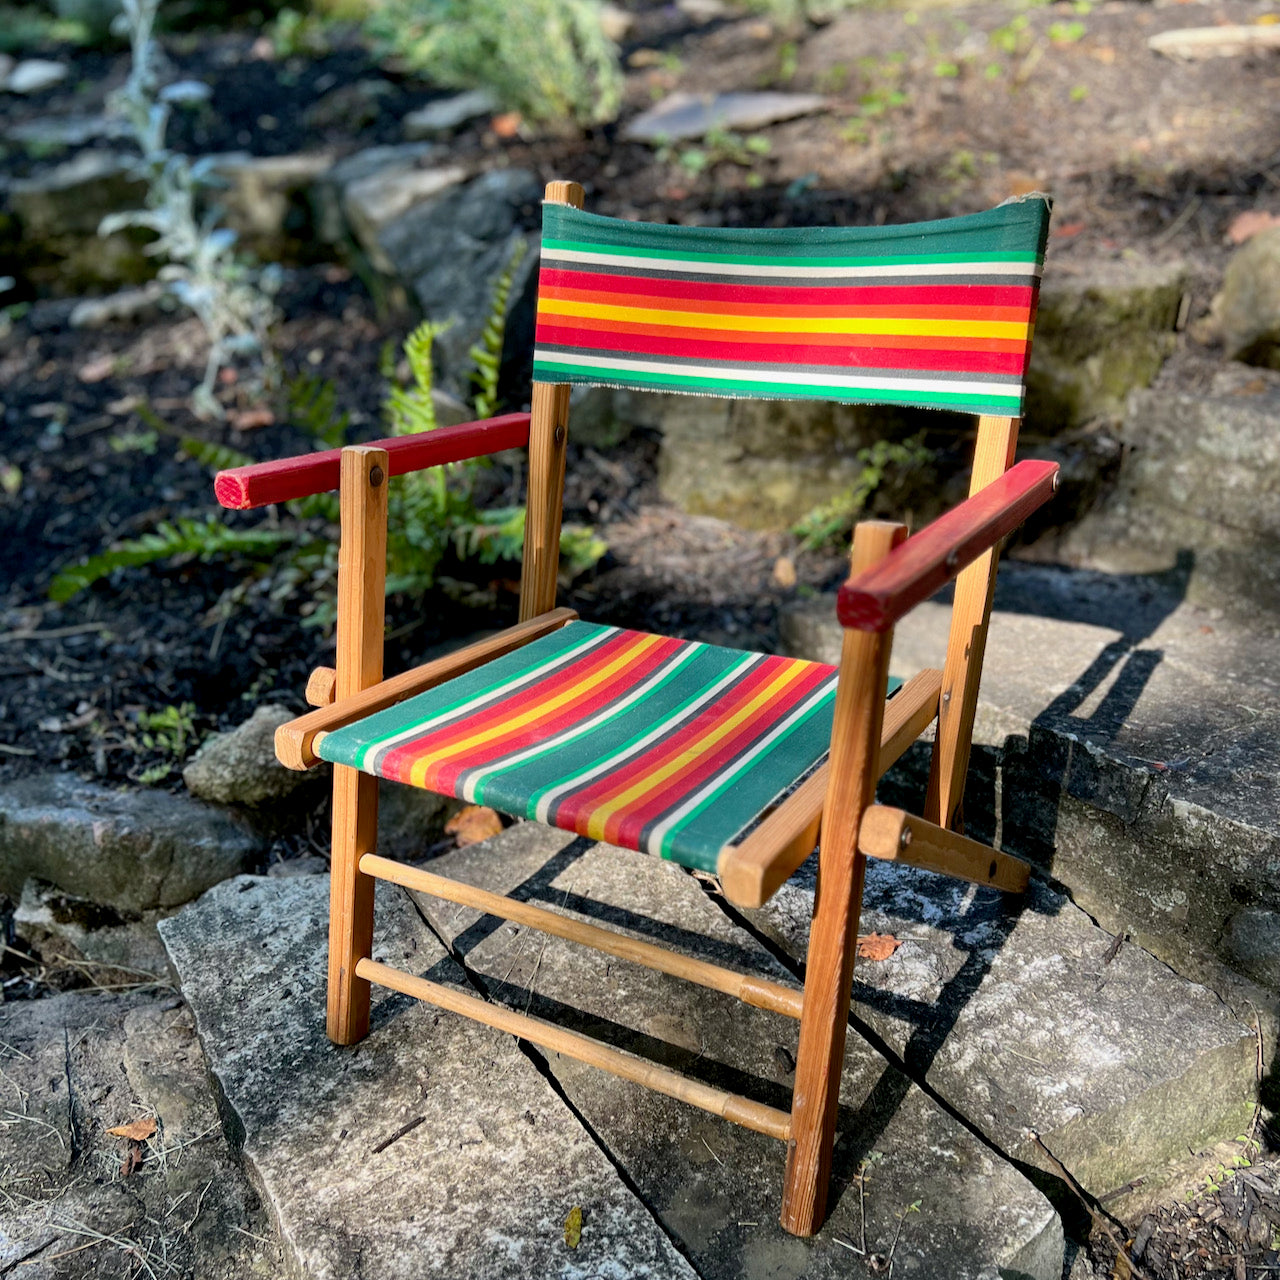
[833, 808]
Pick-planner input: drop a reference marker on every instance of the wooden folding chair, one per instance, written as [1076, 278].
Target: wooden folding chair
[668, 745]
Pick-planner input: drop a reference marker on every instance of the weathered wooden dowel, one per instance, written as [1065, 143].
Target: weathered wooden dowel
[731, 1106]
[753, 871]
[295, 740]
[750, 989]
[902, 837]
[322, 687]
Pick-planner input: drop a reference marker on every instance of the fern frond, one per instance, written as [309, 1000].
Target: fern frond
[217, 457]
[410, 410]
[313, 405]
[487, 353]
[181, 537]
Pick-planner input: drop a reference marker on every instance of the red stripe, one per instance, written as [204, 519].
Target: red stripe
[947, 295]
[783, 352]
[443, 775]
[577, 808]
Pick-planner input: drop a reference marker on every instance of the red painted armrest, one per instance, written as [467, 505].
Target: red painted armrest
[913, 571]
[265, 482]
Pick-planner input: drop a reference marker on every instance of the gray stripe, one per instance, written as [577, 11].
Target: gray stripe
[763, 367]
[1028, 280]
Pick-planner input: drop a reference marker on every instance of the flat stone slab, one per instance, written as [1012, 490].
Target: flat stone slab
[1128, 745]
[433, 1148]
[681, 115]
[79, 1202]
[1025, 1016]
[715, 1187]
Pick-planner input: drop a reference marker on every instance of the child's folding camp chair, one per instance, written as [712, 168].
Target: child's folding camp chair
[673, 746]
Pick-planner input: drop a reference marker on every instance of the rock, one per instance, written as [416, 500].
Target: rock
[329, 193]
[310, 865]
[450, 249]
[35, 75]
[126, 306]
[682, 115]
[1245, 315]
[703, 10]
[444, 115]
[350, 107]
[1015, 1016]
[1107, 753]
[240, 766]
[52, 237]
[714, 1187]
[136, 851]
[51, 132]
[83, 1063]
[411, 821]
[1252, 943]
[1198, 481]
[1102, 330]
[58, 927]
[603, 417]
[267, 201]
[434, 1148]
[615, 23]
[764, 465]
[373, 202]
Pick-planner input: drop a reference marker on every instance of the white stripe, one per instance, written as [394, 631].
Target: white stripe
[458, 713]
[659, 833]
[671, 665]
[619, 364]
[886, 268]
[659, 730]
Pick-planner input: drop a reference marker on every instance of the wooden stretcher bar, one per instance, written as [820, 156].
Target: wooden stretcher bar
[742, 1111]
[902, 837]
[760, 992]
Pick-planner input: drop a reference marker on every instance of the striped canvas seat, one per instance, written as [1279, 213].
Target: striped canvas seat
[937, 314]
[669, 746]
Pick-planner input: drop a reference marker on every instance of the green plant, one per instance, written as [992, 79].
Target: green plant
[168, 731]
[548, 59]
[486, 354]
[1066, 32]
[721, 146]
[831, 521]
[313, 405]
[231, 298]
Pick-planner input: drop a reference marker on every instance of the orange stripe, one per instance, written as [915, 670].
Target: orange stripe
[698, 307]
[1008, 345]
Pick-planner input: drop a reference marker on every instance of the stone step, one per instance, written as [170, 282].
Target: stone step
[433, 1148]
[717, 1188]
[1126, 743]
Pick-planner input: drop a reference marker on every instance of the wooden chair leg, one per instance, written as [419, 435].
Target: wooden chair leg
[362, 568]
[855, 749]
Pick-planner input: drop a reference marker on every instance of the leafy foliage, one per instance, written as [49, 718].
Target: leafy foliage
[832, 521]
[232, 299]
[487, 353]
[313, 405]
[548, 59]
[182, 537]
[411, 409]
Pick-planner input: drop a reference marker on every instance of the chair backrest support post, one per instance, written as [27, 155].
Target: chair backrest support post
[970, 613]
[548, 437]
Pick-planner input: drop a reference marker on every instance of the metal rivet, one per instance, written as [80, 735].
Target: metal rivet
[946, 697]
[376, 477]
[953, 558]
[905, 838]
[558, 435]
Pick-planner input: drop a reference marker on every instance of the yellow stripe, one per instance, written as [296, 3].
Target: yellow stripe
[651, 781]
[536, 711]
[791, 324]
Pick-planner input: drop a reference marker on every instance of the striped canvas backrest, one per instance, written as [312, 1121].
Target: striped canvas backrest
[937, 314]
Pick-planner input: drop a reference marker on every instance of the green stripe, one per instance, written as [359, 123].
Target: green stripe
[905, 259]
[1019, 227]
[679, 665]
[556, 372]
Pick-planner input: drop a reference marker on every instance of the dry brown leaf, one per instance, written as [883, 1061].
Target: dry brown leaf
[252, 419]
[137, 1130]
[473, 824]
[784, 571]
[97, 370]
[132, 1161]
[506, 125]
[878, 946]
[1244, 226]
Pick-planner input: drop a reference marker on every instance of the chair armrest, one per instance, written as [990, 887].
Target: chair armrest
[300, 477]
[912, 572]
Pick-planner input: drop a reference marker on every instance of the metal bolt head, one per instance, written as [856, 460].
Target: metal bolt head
[376, 477]
[904, 840]
[559, 434]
